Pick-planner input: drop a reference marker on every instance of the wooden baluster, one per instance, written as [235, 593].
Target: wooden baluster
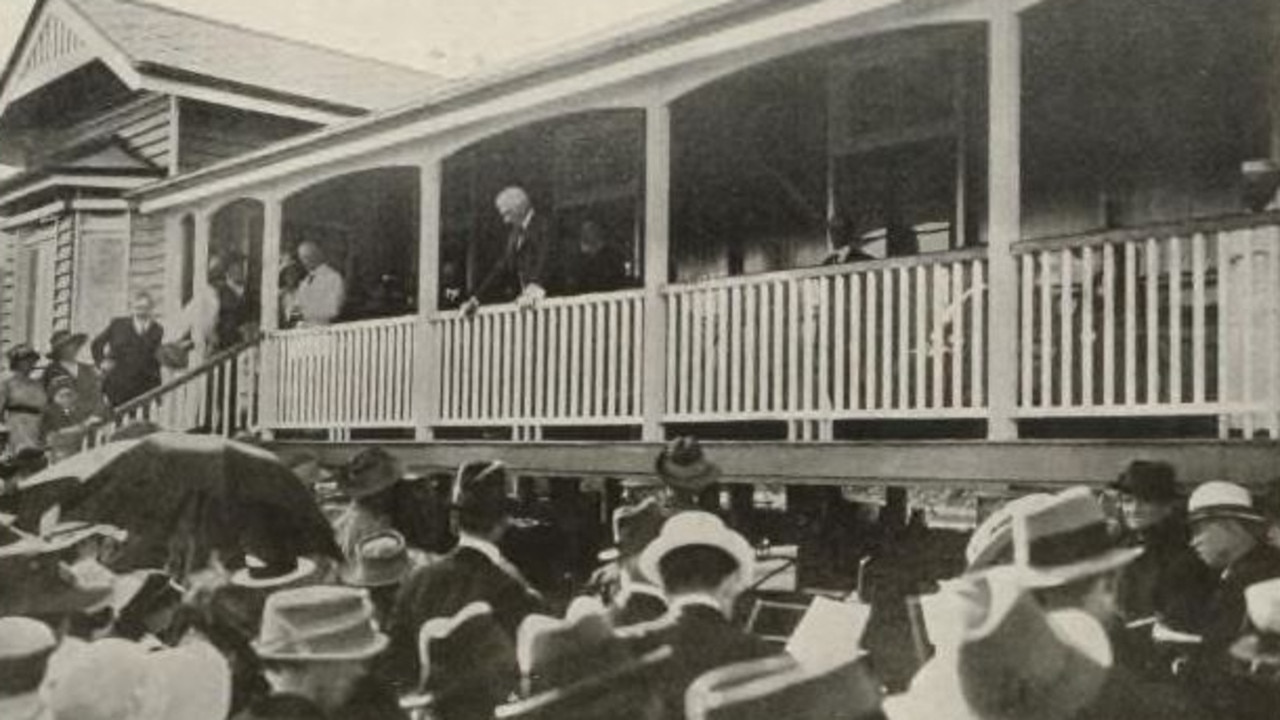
[1109, 319]
[839, 347]
[696, 347]
[1130, 323]
[541, 366]
[941, 301]
[675, 353]
[1175, 320]
[887, 364]
[808, 341]
[920, 350]
[635, 386]
[721, 306]
[1046, 331]
[735, 349]
[566, 388]
[1028, 314]
[1153, 321]
[904, 337]
[977, 367]
[598, 338]
[1244, 324]
[1088, 343]
[856, 400]
[958, 301]
[1199, 305]
[686, 351]
[793, 341]
[577, 352]
[1067, 321]
[872, 366]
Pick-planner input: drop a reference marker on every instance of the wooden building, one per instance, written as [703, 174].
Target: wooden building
[1064, 212]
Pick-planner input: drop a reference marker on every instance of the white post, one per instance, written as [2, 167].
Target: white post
[1004, 218]
[269, 311]
[426, 378]
[657, 203]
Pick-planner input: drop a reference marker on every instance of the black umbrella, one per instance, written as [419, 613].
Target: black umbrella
[181, 497]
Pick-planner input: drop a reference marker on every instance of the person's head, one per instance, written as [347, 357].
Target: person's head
[1148, 494]
[369, 478]
[64, 393]
[237, 270]
[65, 345]
[1097, 595]
[695, 554]
[141, 306]
[310, 255]
[590, 238]
[25, 647]
[480, 501]
[513, 205]
[317, 642]
[22, 358]
[1224, 524]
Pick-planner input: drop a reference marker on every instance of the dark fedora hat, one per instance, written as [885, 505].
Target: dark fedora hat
[683, 465]
[1149, 480]
[63, 339]
[480, 487]
[370, 472]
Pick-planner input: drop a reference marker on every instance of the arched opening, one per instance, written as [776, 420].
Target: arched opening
[584, 173]
[365, 225]
[875, 143]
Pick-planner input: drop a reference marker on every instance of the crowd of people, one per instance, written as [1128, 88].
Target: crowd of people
[1169, 610]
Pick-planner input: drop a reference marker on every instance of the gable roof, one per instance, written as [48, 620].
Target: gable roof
[169, 49]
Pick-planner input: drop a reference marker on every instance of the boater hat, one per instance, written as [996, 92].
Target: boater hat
[323, 622]
[1217, 500]
[683, 465]
[1065, 539]
[695, 528]
[259, 574]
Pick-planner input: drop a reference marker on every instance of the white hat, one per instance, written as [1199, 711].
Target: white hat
[1262, 600]
[993, 538]
[1064, 539]
[697, 528]
[1217, 499]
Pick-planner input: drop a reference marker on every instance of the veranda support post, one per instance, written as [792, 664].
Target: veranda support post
[657, 171]
[426, 375]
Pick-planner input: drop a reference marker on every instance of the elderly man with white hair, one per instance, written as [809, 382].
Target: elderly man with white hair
[321, 294]
[522, 273]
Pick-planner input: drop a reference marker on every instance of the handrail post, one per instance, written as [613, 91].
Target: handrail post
[1004, 219]
[657, 192]
[268, 313]
[426, 376]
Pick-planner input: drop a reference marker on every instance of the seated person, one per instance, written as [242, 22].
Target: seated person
[597, 265]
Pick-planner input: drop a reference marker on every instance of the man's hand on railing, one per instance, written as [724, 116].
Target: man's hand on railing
[531, 296]
[470, 307]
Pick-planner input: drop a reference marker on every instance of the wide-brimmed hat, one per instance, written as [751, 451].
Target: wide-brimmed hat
[21, 351]
[625, 692]
[467, 658]
[25, 647]
[115, 679]
[992, 541]
[554, 653]
[683, 465]
[1065, 539]
[380, 559]
[634, 527]
[34, 581]
[1149, 480]
[370, 472]
[64, 338]
[1218, 500]
[260, 574]
[480, 487]
[319, 623]
[695, 528]
[778, 688]
[1261, 647]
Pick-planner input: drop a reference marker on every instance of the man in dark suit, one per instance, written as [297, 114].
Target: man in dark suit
[703, 566]
[473, 571]
[126, 352]
[523, 272]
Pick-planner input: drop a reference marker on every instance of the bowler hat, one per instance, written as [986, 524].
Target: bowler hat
[370, 472]
[1148, 480]
[480, 487]
[64, 338]
[695, 528]
[778, 687]
[1065, 539]
[683, 465]
[1216, 500]
[321, 622]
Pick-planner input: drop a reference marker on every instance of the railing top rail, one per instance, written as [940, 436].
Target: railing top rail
[854, 268]
[1182, 228]
[551, 302]
[203, 369]
[346, 326]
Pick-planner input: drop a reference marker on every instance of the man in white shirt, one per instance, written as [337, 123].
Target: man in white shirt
[321, 294]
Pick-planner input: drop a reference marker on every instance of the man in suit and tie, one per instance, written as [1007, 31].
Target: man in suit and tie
[126, 352]
[474, 570]
[522, 273]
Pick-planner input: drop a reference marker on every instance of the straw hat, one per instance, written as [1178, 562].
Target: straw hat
[1216, 500]
[319, 623]
[778, 687]
[1065, 539]
[25, 647]
[370, 472]
[64, 338]
[682, 465]
[694, 528]
[1148, 480]
[555, 653]
[1262, 601]
[380, 559]
[259, 574]
[992, 541]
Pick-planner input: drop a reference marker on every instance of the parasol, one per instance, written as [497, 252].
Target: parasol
[182, 497]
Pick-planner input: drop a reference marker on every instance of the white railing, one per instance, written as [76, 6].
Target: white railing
[894, 338]
[219, 397]
[1184, 321]
[567, 361]
[339, 377]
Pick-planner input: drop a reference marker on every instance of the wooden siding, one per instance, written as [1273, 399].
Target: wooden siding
[102, 260]
[209, 133]
[144, 124]
[147, 257]
[8, 290]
